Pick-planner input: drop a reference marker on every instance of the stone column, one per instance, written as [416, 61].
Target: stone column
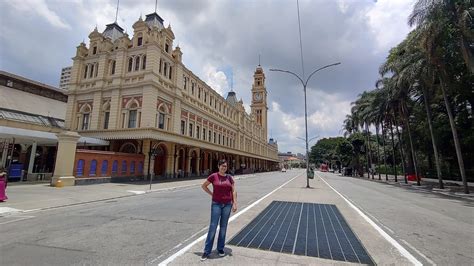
[65, 158]
[198, 166]
[146, 151]
[32, 160]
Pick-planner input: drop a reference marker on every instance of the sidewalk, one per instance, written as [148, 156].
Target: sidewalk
[378, 247]
[451, 188]
[24, 198]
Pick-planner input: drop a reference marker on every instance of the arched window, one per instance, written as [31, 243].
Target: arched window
[80, 168]
[128, 148]
[132, 167]
[93, 169]
[84, 116]
[112, 67]
[91, 70]
[124, 167]
[137, 63]
[140, 167]
[106, 115]
[132, 116]
[85, 71]
[96, 69]
[130, 64]
[115, 167]
[139, 40]
[105, 166]
[144, 62]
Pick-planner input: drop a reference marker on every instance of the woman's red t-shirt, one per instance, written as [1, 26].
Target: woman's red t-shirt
[221, 188]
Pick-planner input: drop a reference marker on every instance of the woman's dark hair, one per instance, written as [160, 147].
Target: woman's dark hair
[221, 162]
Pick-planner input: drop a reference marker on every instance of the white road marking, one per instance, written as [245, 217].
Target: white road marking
[9, 210]
[419, 253]
[392, 241]
[189, 246]
[136, 192]
[20, 218]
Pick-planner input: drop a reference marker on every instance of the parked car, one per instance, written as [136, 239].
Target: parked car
[283, 169]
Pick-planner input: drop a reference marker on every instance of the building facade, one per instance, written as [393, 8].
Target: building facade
[136, 93]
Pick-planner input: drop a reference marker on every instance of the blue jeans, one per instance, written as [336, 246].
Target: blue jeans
[219, 212]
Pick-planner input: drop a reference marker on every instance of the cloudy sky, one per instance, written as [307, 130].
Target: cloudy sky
[221, 41]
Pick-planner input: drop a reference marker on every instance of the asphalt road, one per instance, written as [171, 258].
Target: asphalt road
[436, 229]
[139, 230]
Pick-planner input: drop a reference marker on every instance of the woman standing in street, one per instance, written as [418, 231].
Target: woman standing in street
[224, 199]
[3, 185]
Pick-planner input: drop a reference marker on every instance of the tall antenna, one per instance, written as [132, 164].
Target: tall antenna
[116, 12]
[156, 3]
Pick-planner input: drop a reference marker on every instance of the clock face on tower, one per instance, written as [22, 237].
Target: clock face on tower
[258, 96]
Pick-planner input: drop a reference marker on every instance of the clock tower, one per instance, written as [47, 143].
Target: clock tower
[259, 99]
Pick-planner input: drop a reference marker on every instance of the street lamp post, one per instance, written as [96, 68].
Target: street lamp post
[305, 83]
[152, 153]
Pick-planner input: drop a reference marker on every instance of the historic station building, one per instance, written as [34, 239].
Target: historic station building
[136, 93]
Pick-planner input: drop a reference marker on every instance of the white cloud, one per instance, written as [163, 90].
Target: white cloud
[40, 8]
[216, 79]
[387, 20]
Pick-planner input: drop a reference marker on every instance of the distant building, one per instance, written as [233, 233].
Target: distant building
[31, 114]
[65, 77]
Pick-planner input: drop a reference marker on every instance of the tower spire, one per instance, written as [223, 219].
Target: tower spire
[258, 59]
[116, 12]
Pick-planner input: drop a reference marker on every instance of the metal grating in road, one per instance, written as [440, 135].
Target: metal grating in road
[316, 230]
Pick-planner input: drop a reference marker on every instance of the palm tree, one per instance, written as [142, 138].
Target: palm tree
[441, 23]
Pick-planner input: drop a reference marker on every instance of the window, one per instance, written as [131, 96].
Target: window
[132, 119]
[161, 120]
[204, 134]
[165, 69]
[91, 70]
[144, 62]
[171, 70]
[161, 65]
[94, 50]
[96, 69]
[124, 167]
[85, 71]
[139, 41]
[214, 137]
[209, 135]
[93, 170]
[219, 139]
[130, 64]
[167, 48]
[132, 167]
[115, 167]
[80, 168]
[140, 167]
[198, 131]
[106, 120]
[85, 121]
[113, 67]
[183, 127]
[137, 63]
[199, 93]
[192, 88]
[105, 166]
[185, 82]
[190, 129]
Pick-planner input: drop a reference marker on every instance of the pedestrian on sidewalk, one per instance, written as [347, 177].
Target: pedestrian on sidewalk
[224, 199]
[3, 185]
